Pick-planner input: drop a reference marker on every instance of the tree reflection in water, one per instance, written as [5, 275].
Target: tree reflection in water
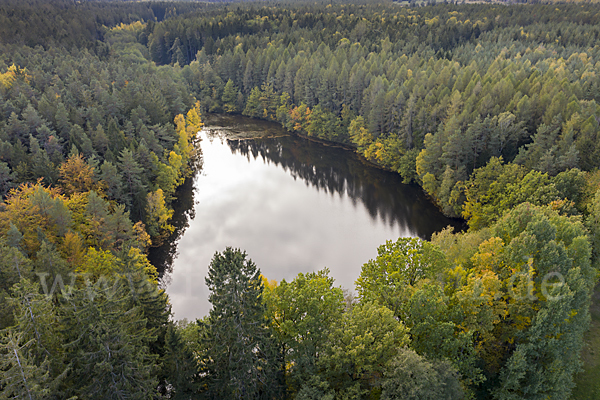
[339, 171]
[163, 255]
[328, 169]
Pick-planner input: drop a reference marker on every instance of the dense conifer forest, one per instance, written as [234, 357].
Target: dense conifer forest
[493, 109]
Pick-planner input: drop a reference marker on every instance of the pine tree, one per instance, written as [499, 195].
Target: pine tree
[254, 107]
[13, 266]
[36, 325]
[61, 121]
[154, 306]
[41, 166]
[116, 138]
[49, 261]
[80, 139]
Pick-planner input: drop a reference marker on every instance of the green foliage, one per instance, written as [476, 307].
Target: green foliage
[315, 389]
[518, 295]
[94, 325]
[496, 188]
[412, 377]
[97, 110]
[561, 284]
[303, 313]
[593, 224]
[254, 108]
[71, 25]
[436, 335]
[106, 344]
[20, 378]
[240, 361]
[229, 98]
[179, 364]
[6, 179]
[131, 173]
[587, 384]
[442, 81]
[492, 110]
[262, 102]
[36, 327]
[360, 346]
[398, 266]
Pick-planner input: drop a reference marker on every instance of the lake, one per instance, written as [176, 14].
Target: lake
[294, 205]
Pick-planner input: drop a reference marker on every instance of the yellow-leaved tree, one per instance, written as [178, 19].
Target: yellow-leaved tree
[158, 214]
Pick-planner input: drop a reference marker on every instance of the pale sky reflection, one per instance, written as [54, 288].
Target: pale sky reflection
[285, 226]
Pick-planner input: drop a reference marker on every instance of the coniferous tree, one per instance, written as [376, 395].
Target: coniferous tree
[110, 176]
[179, 366]
[131, 177]
[21, 378]
[229, 97]
[254, 107]
[593, 224]
[240, 362]
[36, 327]
[41, 166]
[106, 343]
[6, 179]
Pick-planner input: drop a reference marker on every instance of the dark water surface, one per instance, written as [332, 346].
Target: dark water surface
[294, 205]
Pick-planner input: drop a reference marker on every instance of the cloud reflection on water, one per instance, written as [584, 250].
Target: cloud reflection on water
[294, 206]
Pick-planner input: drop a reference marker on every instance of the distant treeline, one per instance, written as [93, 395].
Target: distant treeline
[77, 23]
[433, 93]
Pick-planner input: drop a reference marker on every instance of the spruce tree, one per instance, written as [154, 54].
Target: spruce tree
[132, 181]
[106, 343]
[6, 179]
[178, 365]
[114, 186]
[33, 342]
[240, 362]
[20, 378]
[229, 97]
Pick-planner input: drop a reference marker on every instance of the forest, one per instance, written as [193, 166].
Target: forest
[492, 109]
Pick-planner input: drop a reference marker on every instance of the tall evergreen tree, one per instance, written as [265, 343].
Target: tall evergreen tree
[229, 97]
[179, 366]
[6, 179]
[240, 363]
[106, 343]
[20, 378]
[132, 181]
